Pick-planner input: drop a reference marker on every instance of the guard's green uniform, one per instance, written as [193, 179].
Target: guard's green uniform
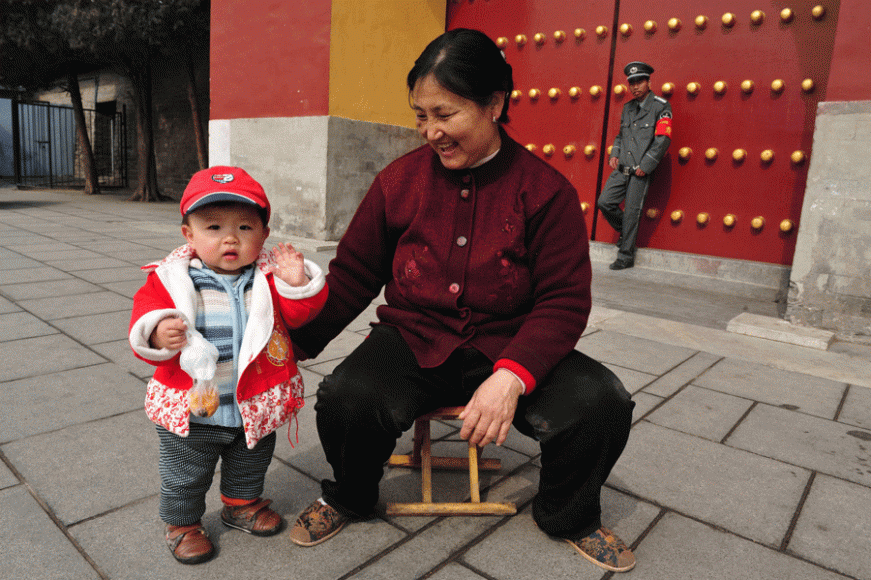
[642, 142]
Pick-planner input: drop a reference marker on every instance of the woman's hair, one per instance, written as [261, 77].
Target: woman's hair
[467, 63]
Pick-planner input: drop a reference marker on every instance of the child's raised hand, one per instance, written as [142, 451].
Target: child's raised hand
[291, 268]
[169, 333]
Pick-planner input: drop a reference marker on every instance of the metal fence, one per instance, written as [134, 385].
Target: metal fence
[49, 153]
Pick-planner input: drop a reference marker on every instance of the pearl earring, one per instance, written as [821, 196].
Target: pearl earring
[495, 119]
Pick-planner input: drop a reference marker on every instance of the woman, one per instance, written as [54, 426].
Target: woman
[483, 255]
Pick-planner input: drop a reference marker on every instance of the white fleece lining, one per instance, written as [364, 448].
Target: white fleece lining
[316, 283]
[142, 329]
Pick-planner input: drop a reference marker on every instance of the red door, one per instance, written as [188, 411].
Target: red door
[760, 72]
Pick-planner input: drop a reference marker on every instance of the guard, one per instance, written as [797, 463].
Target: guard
[645, 134]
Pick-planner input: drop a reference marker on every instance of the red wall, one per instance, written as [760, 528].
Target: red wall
[269, 59]
[851, 58]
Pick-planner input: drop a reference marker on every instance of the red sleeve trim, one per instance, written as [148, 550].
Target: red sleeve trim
[524, 375]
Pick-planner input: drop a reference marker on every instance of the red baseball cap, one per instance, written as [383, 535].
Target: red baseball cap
[223, 183]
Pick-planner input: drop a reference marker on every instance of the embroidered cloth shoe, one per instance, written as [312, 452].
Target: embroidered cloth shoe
[606, 550]
[317, 523]
[189, 544]
[254, 518]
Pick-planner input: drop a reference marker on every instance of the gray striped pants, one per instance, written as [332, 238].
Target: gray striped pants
[187, 467]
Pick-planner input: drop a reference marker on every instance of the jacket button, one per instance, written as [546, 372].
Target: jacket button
[465, 193]
[454, 288]
[462, 241]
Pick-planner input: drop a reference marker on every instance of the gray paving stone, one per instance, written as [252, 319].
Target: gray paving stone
[128, 543]
[96, 328]
[633, 353]
[167, 243]
[7, 306]
[39, 274]
[857, 407]
[643, 404]
[749, 495]
[771, 328]
[670, 382]
[54, 401]
[305, 454]
[33, 547]
[43, 354]
[119, 352]
[118, 246]
[24, 237]
[455, 571]
[430, 548]
[17, 325]
[7, 478]
[518, 550]
[826, 446]
[40, 251]
[104, 275]
[47, 289]
[90, 468]
[834, 529]
[696, 550]
[633, 381]
[757, 382]
[76, 236]
[701, 412]
[126, 288]
[141, 256]
[56, 251]
[18, 263]
[78, 305]
[88, 264]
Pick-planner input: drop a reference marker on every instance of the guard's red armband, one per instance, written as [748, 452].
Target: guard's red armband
[663, 127]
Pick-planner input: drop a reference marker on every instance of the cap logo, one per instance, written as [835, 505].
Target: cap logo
[633, 70]
[223, 177]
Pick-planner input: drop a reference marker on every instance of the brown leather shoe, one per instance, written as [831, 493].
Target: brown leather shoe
[255, 518]
[189, 544]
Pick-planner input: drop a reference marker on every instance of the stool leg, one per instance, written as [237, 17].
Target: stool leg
[474, 487]
[418, 439]
[426, 462]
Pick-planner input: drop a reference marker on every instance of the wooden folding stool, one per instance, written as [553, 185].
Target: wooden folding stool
[421, 457]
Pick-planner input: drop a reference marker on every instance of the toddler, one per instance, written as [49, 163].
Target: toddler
[224, 288]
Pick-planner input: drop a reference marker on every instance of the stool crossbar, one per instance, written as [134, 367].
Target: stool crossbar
[421, 458]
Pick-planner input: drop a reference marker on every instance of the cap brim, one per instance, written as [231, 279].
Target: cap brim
[220, 196]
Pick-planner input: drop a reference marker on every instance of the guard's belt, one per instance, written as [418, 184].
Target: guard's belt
[626, 170]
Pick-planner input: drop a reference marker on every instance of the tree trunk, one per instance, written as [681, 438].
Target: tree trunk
[146, 189]
[199, 134]
[89, 166]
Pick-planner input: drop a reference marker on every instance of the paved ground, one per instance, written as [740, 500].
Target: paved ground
[748, 458]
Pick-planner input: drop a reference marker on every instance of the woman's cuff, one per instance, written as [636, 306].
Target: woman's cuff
[523, 375]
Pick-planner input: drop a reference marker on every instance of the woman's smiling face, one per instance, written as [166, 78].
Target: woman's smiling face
[461, 131]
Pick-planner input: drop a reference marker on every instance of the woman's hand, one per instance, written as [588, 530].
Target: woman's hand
[291, 267]
[488, 415]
